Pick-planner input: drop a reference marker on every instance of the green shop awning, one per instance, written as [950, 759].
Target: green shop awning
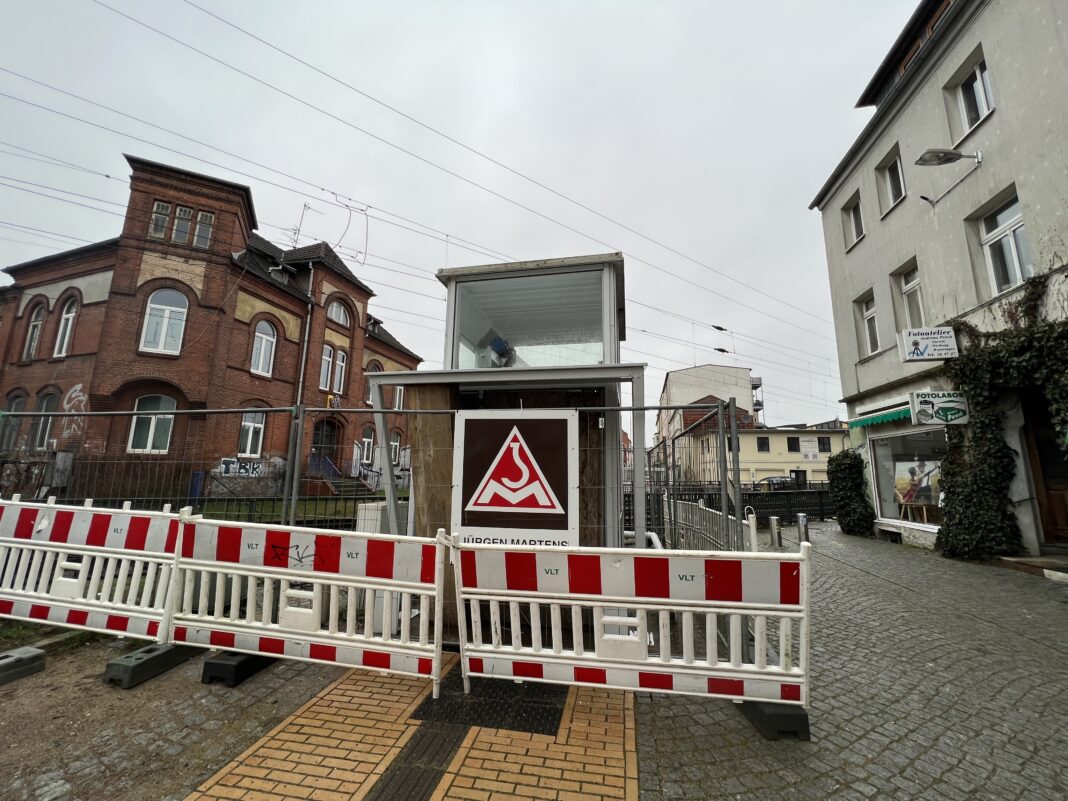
[903, 413]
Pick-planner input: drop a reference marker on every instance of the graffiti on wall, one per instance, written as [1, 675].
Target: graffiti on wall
[74, 401]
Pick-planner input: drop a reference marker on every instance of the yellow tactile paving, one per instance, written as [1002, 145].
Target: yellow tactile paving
[336, 746]
[592, 756]
[331, 749]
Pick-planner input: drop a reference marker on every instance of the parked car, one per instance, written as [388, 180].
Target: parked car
[775, 483]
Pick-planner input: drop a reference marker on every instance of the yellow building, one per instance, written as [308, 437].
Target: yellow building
[796, 452]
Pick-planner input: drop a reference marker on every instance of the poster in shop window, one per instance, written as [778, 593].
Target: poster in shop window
[515, 477]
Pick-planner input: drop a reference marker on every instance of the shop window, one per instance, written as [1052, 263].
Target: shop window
[908, 475]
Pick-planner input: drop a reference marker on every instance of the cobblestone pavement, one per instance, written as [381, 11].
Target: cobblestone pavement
[65, 735]
[931, 679]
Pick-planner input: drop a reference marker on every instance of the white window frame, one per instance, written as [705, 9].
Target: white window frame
[66, 328]
[985, 97]
[1007, 229]
[249, 428]
[42, 426]
[204, 228]
[367, 446]
[263, 344]
[168, 314]
[395, 447]
[326, 367]
[852, 213]
[33, 332]
[182, 214]
[869, 314]
[344, 313]
[157, 226]
[341, 360]
[9, 427]
[154, 420]
[890, 184]
[398, 397]
[912, 288]
[371, 368]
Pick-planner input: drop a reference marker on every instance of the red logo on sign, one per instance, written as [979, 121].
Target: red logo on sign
[514, 482]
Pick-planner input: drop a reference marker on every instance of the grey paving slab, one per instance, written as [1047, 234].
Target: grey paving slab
[931, 679]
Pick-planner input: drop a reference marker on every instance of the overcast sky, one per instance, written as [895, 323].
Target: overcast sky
[706, 126]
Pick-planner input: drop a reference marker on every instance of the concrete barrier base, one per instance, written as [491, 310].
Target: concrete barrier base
[232, 668]
[146, 663]
[777, 721]
[19, 662]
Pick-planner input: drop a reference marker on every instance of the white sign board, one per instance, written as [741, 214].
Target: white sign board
[515, 478]
[810, 449]
[938, 408]
[927, 344]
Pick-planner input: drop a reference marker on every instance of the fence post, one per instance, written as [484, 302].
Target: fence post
[754, 545]
[298, 447]
[819, 497]
[776, 531]
[802, 527]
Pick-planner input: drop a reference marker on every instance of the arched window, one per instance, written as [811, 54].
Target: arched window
[325, 367]
[263, 348]
[66, 328]
[373, 367]
[9, 430]
[340, 361]
[164, 321]
[337, 312]
[42, 426]
[367, 446]
[151, 433]
[250, 440]
[394, 447]
[33, 332]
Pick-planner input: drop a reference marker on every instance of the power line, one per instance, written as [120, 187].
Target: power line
[496, 162]
[446, 170]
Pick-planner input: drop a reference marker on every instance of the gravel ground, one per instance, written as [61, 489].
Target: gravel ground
[64, 734]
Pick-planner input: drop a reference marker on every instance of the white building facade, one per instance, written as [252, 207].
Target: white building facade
[911, 246]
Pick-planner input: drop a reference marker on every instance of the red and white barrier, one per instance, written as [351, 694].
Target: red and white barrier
[362, 600]
[543, 605]
[95, 569]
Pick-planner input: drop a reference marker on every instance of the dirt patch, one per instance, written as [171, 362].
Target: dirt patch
[64, 734]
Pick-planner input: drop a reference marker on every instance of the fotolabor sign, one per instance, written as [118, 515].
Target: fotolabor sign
[515, 477]
[939, 408]
[927, 344]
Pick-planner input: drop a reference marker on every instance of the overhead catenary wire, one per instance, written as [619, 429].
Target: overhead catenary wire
[429, 162]
[492, 160]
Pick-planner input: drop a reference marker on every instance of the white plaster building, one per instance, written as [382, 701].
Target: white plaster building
[911, 246]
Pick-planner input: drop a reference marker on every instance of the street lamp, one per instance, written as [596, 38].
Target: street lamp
[938, 157]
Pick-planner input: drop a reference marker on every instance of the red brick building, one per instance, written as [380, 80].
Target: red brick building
[189, 309]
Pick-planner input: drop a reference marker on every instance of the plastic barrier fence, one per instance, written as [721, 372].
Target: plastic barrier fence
[361, 600]
[672, 622]
[95, 569]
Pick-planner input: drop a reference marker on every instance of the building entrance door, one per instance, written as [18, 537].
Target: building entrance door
[800, 478]
[1049, 469]
[324, 442]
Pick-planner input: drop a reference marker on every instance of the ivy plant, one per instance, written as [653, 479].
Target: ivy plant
[845, 472]
[978, 519]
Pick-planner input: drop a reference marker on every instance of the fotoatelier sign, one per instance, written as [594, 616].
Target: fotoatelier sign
[515, 477]
[938, 408]
[927, 344]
